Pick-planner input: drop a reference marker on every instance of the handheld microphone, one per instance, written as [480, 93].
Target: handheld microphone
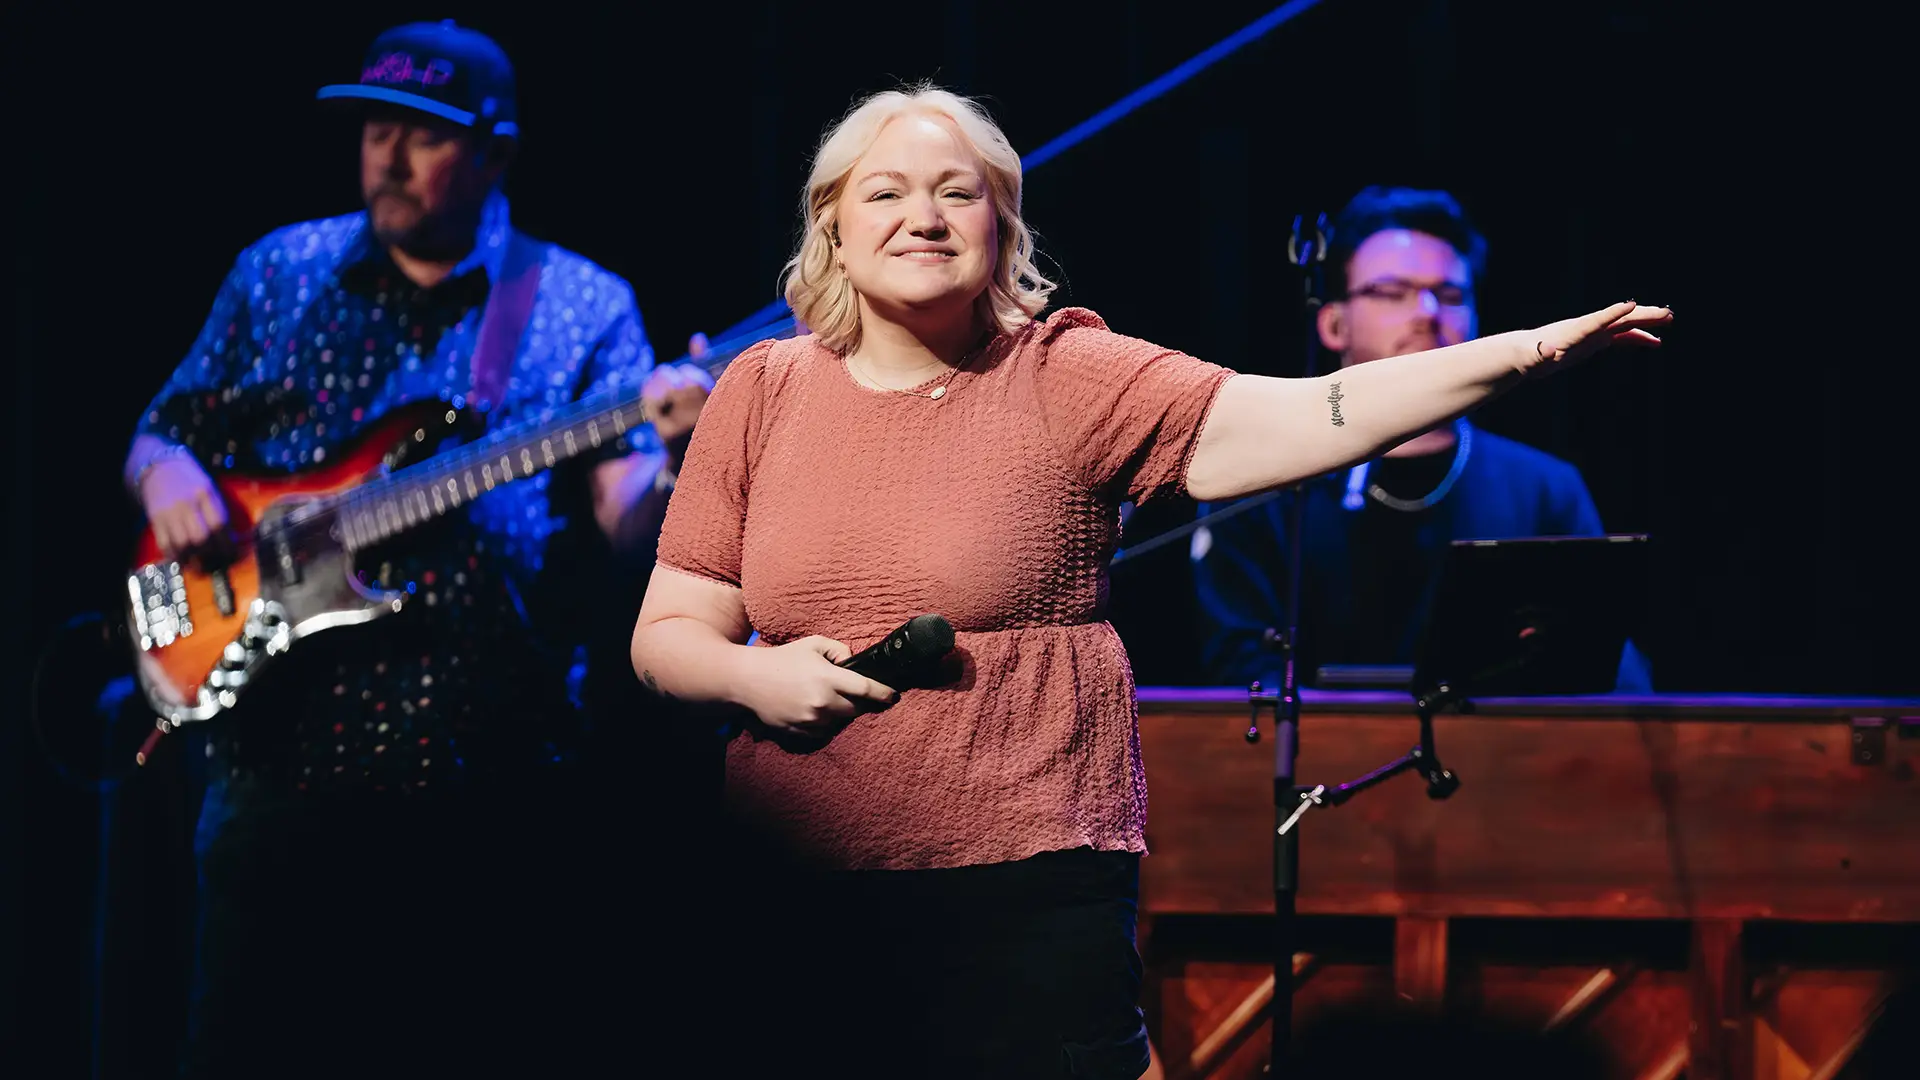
[906, 655]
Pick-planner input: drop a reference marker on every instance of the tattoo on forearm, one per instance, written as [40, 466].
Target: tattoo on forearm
[653, 684]
[1334, 398]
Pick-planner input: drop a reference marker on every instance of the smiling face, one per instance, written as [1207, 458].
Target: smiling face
[918, 233]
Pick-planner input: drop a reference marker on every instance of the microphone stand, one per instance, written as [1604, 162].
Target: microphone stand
[1290, 800]
[1310, 255]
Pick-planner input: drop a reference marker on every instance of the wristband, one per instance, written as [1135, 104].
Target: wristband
[171, 450]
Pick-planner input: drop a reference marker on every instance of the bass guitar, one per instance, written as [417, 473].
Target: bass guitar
[203, 629]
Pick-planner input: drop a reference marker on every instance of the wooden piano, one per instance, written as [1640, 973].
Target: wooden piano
[1717, 886]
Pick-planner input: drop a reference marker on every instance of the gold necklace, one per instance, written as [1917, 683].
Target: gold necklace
[939, 391]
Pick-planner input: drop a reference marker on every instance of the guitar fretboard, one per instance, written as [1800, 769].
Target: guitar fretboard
[416, 495]
[381, 509]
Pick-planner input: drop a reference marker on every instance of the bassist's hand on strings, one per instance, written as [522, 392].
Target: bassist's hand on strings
[182, 505]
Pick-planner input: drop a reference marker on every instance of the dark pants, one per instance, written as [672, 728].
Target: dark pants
[1012, 970]
[517, 928]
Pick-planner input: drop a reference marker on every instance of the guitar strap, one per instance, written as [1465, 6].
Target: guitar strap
[504, 323]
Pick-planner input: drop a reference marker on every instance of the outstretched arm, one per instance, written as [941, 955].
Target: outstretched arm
[1266, 432]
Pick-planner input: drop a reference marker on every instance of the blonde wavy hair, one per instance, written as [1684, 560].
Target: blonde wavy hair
[824, 300]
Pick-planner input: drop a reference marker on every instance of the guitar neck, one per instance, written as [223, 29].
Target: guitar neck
[413, 496]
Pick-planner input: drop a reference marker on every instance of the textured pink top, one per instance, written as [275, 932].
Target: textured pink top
[844, 511]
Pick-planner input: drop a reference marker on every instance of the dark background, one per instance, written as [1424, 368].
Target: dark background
[1609, 150]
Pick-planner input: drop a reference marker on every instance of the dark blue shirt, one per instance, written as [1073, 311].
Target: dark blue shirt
[1369, 572]
[316, 335]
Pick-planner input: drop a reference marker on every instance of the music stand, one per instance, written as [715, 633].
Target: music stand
[1529, 616]
[1490, 588]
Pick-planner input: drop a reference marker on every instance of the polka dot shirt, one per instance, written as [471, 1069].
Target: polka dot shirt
[316, 335]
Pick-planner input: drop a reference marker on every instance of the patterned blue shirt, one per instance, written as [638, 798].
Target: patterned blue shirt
[316, 335]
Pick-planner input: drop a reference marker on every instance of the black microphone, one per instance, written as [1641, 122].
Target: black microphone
[906, 655]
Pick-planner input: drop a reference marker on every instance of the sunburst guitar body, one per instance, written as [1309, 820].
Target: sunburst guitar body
[204, 627]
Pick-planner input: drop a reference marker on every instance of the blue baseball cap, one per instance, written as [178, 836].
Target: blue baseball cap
[442, 69]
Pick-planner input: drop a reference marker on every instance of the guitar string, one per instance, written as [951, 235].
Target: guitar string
[511, 442]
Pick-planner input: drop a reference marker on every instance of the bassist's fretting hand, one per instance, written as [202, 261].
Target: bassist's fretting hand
[675, 394]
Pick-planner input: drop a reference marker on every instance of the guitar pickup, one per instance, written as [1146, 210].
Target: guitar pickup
[284, 559]
[223, 591]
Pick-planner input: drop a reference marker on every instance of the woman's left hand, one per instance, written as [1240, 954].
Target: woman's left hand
[1560, 345]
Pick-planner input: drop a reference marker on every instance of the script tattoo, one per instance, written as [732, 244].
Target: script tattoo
[1334, 397]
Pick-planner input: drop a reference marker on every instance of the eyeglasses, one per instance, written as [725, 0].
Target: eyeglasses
[1400, 291]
